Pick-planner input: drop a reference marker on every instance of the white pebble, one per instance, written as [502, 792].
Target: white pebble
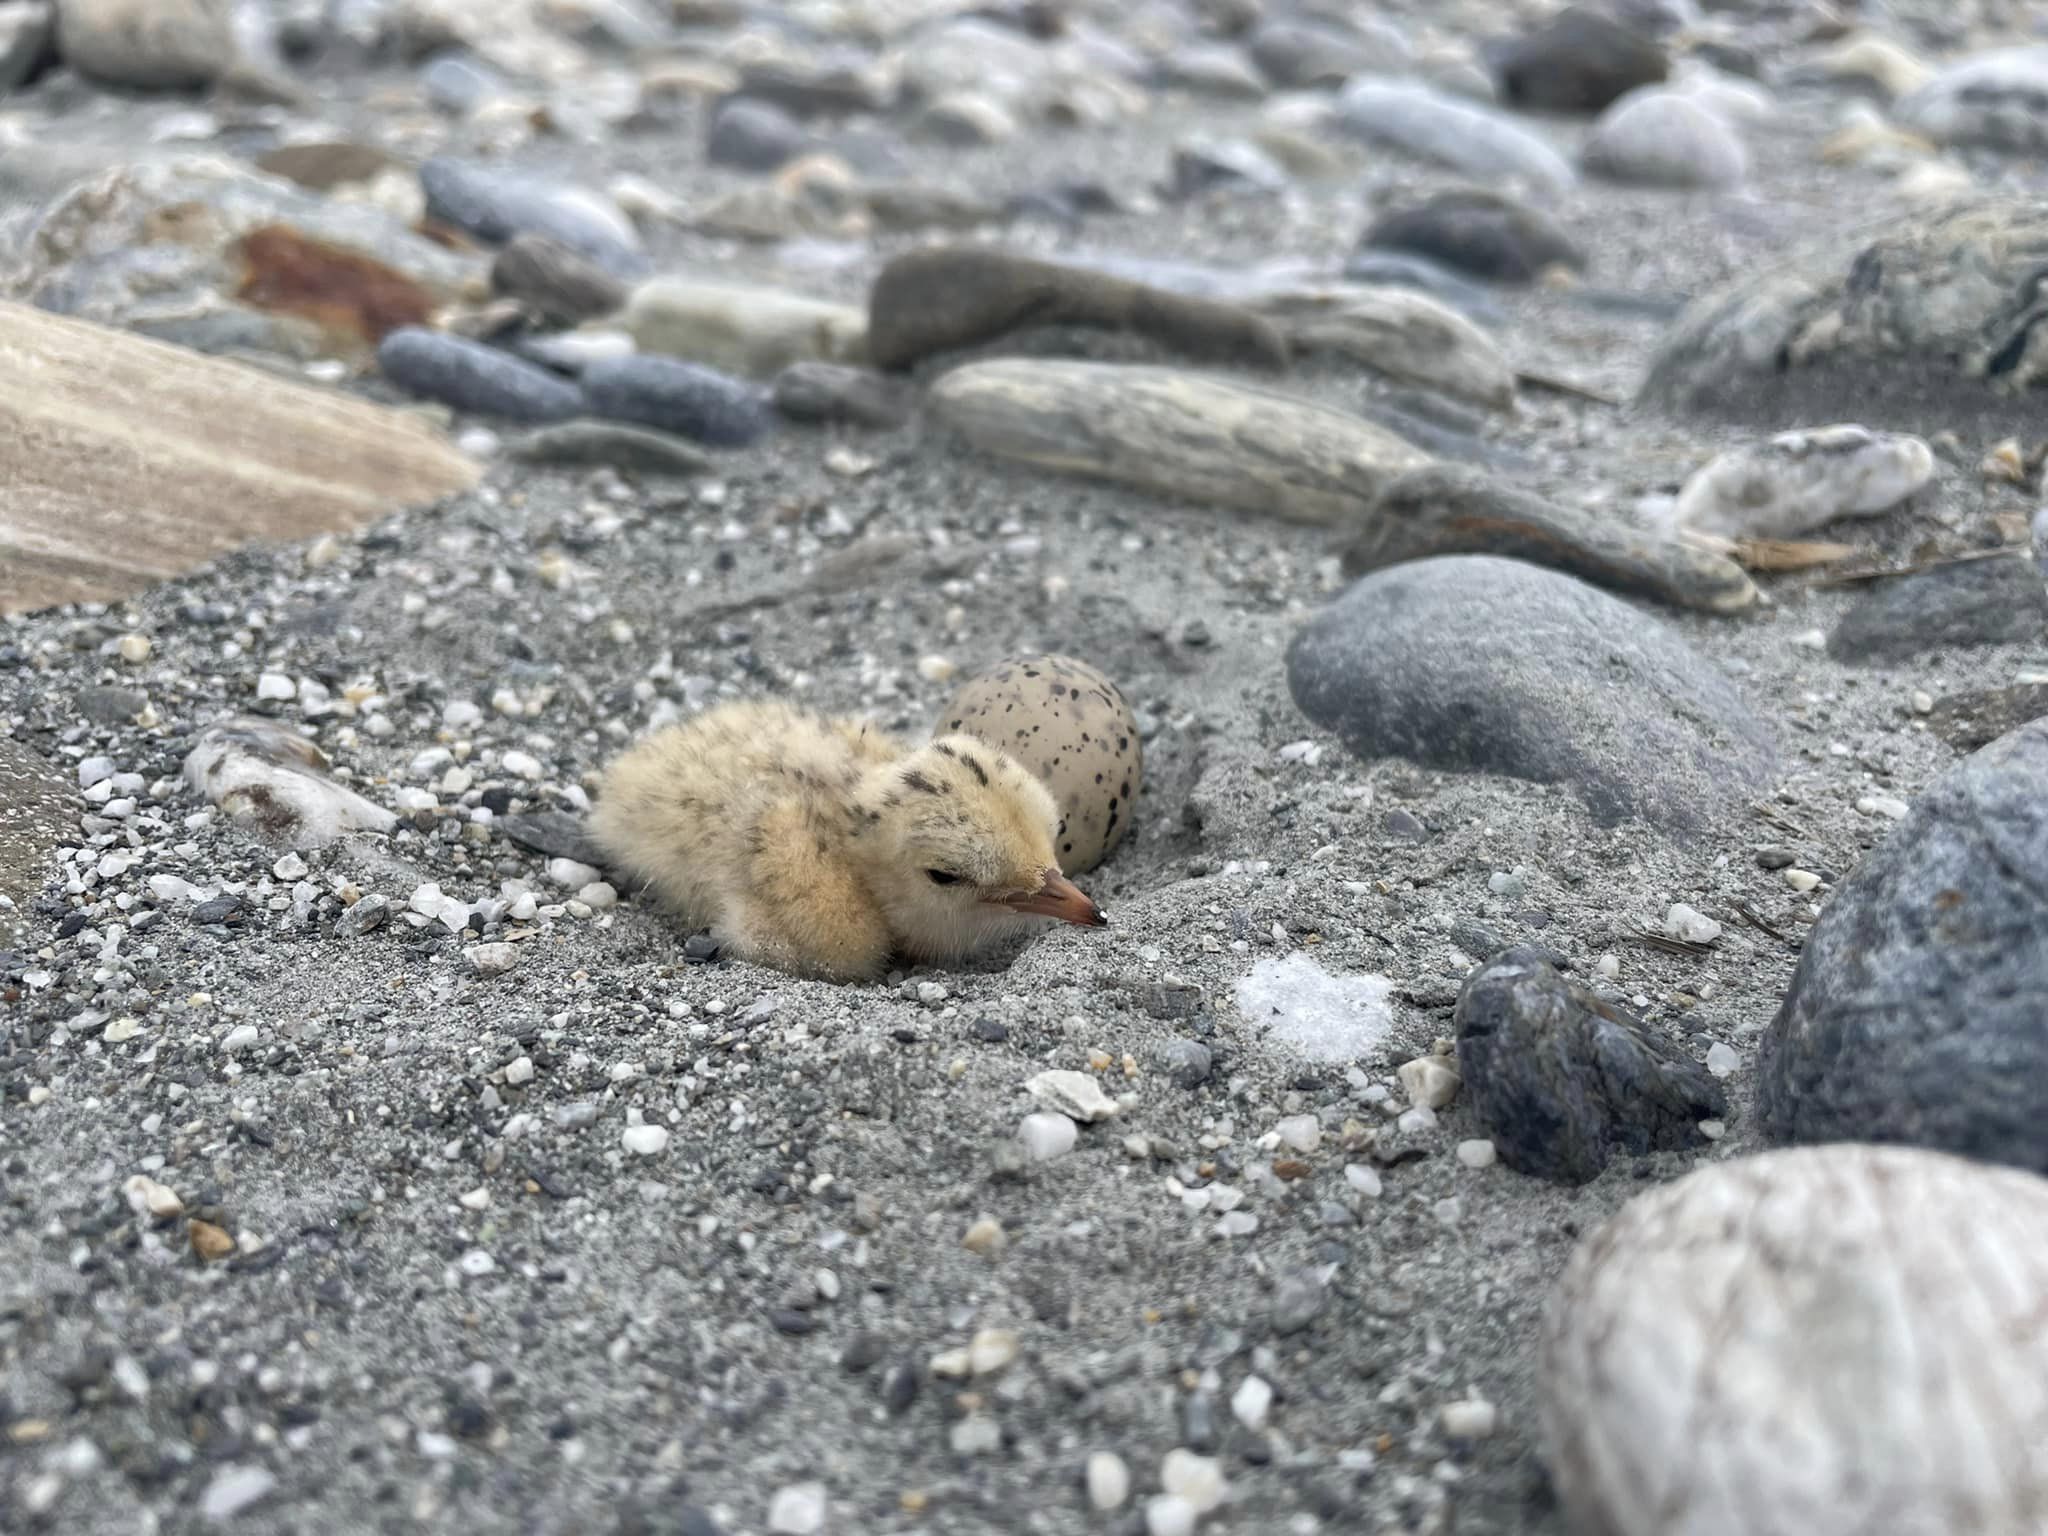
[1109, 1480]
[931, 992]
[1608, 966]
[1198, 1479]
[1477, 1153]
[1429, 1081]
[1801, 880]
[1363, 1179]
[1472, 1419]
[1300, 1133]
[233, 1490]
[493, 959]
[519, 1070]
[290, 867]
[936, 669]
[147, 1197]
[645, 1140]
[478, 1199]
[521, 765]
[95, 770]
[1046, 1135]
[570, 875]
[1882, 805]
[798, 1510]
[1690, 925]
[275, 685]
[1166, 1515]
[240, 1038]
[992, 1350]
[1251, 1402]
[1923, 702]
[1722, 1059]
[134, 649]
[599, 896]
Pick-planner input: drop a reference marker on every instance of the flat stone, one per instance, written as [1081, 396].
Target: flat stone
[948, 297]
[753, 135]
[498, 205]
[741, 327]
[826, 393]
[1967, 720]
[1658, 137]
[1790, 485]
[693, 402]
[1578, 62]
[1183, 435]
[1479, 664]
[1998, 600]
[1380, 268]
[1480, 233]
[273, 783]
[1211, 69]
[1406, 335]
[1910, 321]
[1997, 99]
[1204, 165]
[151, 45]
[1884, 1300]
[560, 286]
[1454, 510]
[1562, 1081]
[133, 461]
[1463, 135]
[470, 376]
[1077, 1095]
[637, 450]
[1915, 1012]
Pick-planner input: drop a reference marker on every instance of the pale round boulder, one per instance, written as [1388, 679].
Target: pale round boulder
[1828, 1341]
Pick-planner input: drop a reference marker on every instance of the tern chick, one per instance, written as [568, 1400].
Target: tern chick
[823, 847]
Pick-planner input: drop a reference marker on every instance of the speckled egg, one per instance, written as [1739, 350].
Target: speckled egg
[1067, 723]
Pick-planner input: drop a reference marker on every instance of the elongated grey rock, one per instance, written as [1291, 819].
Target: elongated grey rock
[742, 327]
[1997, 99]
[1828, 1341]
[1916, 1013]
[638, 449]
[1452, 510]
[1472, 663]
[1562, 1080]
[1211, 440]
[470, 376]
[693, 402]
[1999, 600]
[1405, 335]
[1788, 485]
[498, 205]
[1461, 134]
[949, 297]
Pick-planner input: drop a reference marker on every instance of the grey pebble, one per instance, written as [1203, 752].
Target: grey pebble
[472, 377]
[684, 398]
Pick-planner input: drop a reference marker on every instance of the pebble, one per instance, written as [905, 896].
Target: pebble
[1047, 1136]
[1998, 600]
[645, 1140]
[1074, 1094]
[1108, 1480]
[1485, 234]
[976, 1435]
[147, 1197]
[1464, 135]
[1366, 1180]
[497, 206]
[240, 1038]
[686, 399]
[1429, 1081]
[1579, 62]
[636, 450]
[1689, 926]
[1801, 880]
[1197, 1479]
[1722, 1059]
[749, 134]
[797, 1510]
[233, 1490]
[1251, 1403]
[519, 1070]
[492, 959]
[1477, 1153]
[469, 376]
[1187, 1062]
[1299, 1133]
[1888, 806]
[1665, 138]
[1167, 1514]
[986, 1237]
[1472, 1419]
[290, 867]
[1795, 483]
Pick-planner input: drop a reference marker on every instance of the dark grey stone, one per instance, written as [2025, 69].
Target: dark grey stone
[1919, 1010]
[639, 450]
[1562, 1080]
[1203, 165]
[1967, 721]
[561, 286]
[109, 705]
[1481, 233]
[1996, 601]
[1580, 61]
[27, 30]
[751, 135]
[1187, 1062]
[1297, 1298]
[496, 206]
[832, 392]
[470, 376]
[684, 398]
[1471, 662]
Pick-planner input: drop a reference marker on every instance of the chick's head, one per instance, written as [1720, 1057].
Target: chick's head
[964, 838]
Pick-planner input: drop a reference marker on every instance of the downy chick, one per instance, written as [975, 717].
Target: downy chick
[823, 847]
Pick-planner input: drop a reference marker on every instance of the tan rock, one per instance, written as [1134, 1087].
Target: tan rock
[740, 327]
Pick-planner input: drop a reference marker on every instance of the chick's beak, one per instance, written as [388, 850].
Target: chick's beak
[1059, 897]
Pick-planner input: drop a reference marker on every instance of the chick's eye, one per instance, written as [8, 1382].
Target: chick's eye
[940, 877]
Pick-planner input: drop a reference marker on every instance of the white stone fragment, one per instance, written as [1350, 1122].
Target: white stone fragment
[275, 686]
[1307, 1010]
[1723, 1060]
[1472, 1419]
[1251, 1402]
[1108, 1480]
[492, 959]
[645, 1140]
[233, 1490]
[570, 875]
[1790, 485]
[1168, 1514]
[1074, 1094]
[798, 1510]
[1801, 880]
[1883, 805]
[1198, 1479]
[1300, 1133]
[1478, 1153]
[1046, 1135]
[1366, 1180]
[146, 1197]
[1689, 925]
[1430, 1082]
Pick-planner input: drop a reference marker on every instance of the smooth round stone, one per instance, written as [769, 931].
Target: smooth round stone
[1562, 1081]
[1915, 1014]
[1580, 62]
[470, 376]
[1479, 664]
[671, 396]
[496, 206]
[171, 45]
[1665, 138]
[459, 85]
[1463, 135]
[1830, 1341]
[1787, 486]
[1299, 55]
[753, 135]
[1480, 233]
[1066, 722]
